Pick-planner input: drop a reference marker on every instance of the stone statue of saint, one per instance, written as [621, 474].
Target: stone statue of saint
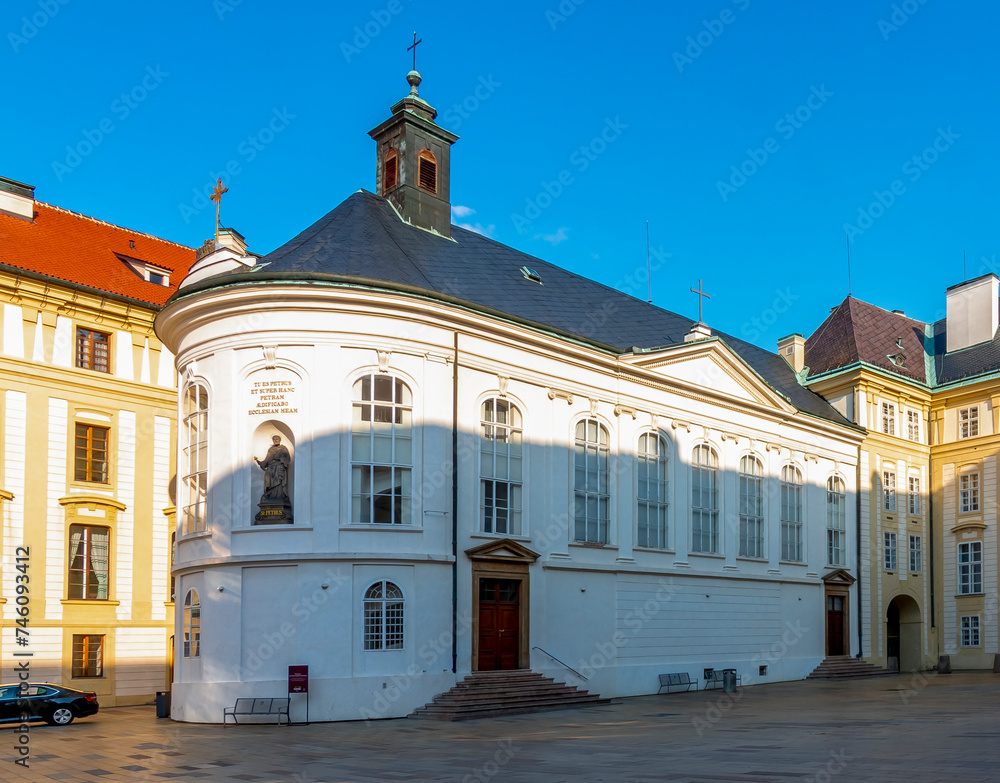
[275, 466]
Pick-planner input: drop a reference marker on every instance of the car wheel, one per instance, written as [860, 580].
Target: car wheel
[61, 716]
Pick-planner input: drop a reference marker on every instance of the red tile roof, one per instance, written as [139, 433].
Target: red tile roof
[857, 331]
[82, 250]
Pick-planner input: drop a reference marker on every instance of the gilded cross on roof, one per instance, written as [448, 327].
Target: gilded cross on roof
[217, 198]
[414, 48]
[701, 300]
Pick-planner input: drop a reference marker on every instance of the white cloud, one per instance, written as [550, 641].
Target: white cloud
[556, 238]
[479, 228]
[458, 211]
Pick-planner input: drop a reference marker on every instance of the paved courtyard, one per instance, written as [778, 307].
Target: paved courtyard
[904, 728]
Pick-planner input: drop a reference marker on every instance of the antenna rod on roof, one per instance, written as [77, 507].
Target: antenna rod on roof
[848, 236]
[965, 273]
[649, 271]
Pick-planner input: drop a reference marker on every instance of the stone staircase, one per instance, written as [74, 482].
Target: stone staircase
[845, 667]
[488, 694]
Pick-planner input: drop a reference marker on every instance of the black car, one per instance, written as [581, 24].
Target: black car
[44, 701]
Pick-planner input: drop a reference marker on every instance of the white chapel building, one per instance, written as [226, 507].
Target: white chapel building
[475, 460]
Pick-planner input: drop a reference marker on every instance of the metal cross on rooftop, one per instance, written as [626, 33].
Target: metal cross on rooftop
[217, 198]
[414, 48]
[702, 296]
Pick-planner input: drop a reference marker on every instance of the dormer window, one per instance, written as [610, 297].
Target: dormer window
[146, 271]
[391, 170]
[427, 171]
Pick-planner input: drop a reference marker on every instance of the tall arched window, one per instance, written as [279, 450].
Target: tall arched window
[390, 170]
[704, 500]
[500, 467]
[836, 521]
[590, 483]
[194, 513]
[751, 508]
[791, 513]
[192, 625]
[652, 491]
[381, 451]
[383, 617]
[427, 171]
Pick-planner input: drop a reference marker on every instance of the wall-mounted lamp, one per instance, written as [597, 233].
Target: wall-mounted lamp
[221, 588]
[324, 585]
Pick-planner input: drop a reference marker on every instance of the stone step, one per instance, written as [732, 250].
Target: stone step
[844, 667]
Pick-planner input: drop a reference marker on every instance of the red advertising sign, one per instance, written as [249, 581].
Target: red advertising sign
[298, 679]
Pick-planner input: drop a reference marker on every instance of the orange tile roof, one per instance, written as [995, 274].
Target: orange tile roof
[82, 250]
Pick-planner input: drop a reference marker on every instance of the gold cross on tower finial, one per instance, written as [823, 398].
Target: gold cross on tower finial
[702, 296]
[414, 48]
[217, 198]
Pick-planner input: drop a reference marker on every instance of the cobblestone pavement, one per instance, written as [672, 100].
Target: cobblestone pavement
[912, 728]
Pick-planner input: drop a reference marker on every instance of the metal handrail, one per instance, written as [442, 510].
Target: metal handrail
[561, 662]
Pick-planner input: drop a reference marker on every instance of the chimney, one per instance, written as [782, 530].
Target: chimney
[233, 239]
[17, 199]
[413, 162]
[793, 351]
[973, 312]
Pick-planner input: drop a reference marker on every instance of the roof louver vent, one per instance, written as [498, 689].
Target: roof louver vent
[531, 274]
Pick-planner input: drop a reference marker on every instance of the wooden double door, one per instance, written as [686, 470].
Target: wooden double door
[499, 624]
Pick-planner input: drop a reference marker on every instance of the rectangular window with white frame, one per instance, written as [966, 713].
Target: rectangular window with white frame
[888, 490]
[913, 495]
[889, 418]
[916, 556]
[889, 551]
[970, 630]
[970, 568]
[968, 422]
[968, 492]
[913, 425]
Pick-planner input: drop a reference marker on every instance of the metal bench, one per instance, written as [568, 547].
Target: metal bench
[715, 678]
[244, 707]
[677, 680]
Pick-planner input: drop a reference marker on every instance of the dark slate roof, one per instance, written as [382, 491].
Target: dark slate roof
[364, 239]
[976, 360]
[857, 331]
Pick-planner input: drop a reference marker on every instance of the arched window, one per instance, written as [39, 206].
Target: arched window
[652, 490]
[751, 508]
[192, 625]
[194, 514]
[383, 617]
[390, 170]
[836, 521]
[427, 171]
[704, 500]
[791, 513]
[500, 467]
[590, 483]
[381, 451]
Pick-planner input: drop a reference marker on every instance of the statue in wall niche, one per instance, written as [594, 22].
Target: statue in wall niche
[275, 504]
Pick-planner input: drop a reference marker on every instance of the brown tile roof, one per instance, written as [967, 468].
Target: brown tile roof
[82, 250]
[857, 331]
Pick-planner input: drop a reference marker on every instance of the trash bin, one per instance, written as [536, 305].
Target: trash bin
[729, 680]
[163, 704]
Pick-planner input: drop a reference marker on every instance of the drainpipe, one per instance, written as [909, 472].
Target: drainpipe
[454, 511]
[930, 527]
[857, 521]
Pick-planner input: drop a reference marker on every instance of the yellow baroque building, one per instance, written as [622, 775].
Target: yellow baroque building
[929, 396]
[88, 411]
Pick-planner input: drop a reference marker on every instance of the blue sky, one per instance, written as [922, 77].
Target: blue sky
[754, 137]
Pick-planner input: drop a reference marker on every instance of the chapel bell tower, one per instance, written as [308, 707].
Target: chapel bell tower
[413, 162]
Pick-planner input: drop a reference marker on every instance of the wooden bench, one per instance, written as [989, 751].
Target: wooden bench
[677, 680]
[244, 707]
[715, 678]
